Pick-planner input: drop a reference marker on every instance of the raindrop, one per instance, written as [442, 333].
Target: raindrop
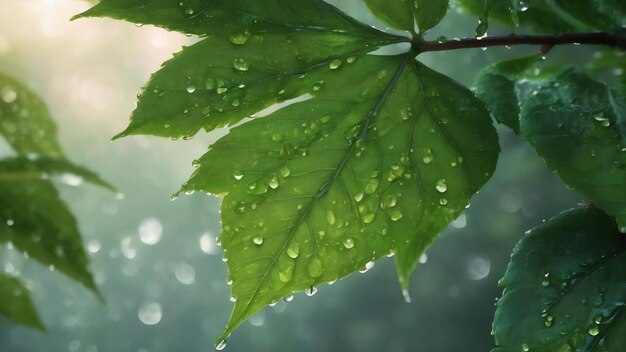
[371, 186]
[593, 330]
[240, 64]
[273, 183]
[358, 197]
[239, 38]
[395, 214]
[288, 298]
[333, 65]
[150, 313]
[330, 217]
[367, 267]
[293, 250]
[316, 268]
[150, 231]
[348, 243]
[441, 186]
[238, 175]
[8, 94]
[525, 347]
[368, 218]
[310, 291]
[185, 273]
[191, 88]
[258, 240]
[284, 171]
[220, 345]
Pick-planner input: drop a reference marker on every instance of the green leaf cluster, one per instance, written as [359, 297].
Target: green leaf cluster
[337, 156]
[34, 220]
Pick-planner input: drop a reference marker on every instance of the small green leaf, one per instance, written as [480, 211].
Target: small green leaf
[565, 287]
[609, 15]
[571, 121]
[495, 86]
[25, 122]
[379, 162]
[428, 13]
[396, 13]
[236, 18]
[216, 82]
[24, 169]
[37, 222]
[16, 303]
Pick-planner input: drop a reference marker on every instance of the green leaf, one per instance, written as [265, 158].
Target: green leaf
[428, 13]
[539, 15]
[235, 18]
[571, 122]
[380, 161]
[495, 86]
[607, 15]
[24, 120]
[16, 303]
[37, 222]
[216, 83]
[565, 287]
[396, 13]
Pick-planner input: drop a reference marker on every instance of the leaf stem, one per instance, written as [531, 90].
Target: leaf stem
[547, 41]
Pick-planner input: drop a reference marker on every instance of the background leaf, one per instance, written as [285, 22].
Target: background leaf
[24, 120]
[565, 287]
[607, 15]
[16, 303]
[396, 13]
[571, 120]
[428, 13]
[496, 87]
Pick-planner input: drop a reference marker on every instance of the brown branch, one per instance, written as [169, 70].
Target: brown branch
[546, 41]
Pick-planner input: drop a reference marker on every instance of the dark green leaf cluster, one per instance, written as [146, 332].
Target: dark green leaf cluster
[33, 218]
[369, 156]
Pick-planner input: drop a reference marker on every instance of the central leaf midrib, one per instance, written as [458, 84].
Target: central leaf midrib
[370, 116]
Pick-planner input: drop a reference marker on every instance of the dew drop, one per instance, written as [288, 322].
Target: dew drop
[525, 347]
[330, 217]
[348, 243]
[258, 240]
[220, 345]
[310, 291]
[371, 186]
[368, 218]
[367, 267]
[427, 159]
[358, 197]
[238, 175]
[593, 330]
[441, 186]
[293, 250]
[284, 171]
[239, 38]
[241, 64]
[395, 214]
[333, 65]
[191, 88]
[315, 270]
[273, 183]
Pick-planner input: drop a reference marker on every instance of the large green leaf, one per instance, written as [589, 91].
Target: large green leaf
[37, 222]
[16, 303]
[496, 87]
[428, 13]
[574, 123]
[602, 14]
[379, 162]
[380, 156]
[24, 120]
[565, 288]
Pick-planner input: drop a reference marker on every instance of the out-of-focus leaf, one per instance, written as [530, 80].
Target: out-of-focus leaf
[380, 161]
[24, 120]
[428, 13]
[609, 15]
[16, 303]
[37, 222]
[565, 287]
[576, 124]
[22, 168]
[538, 15]
[396, 13]
[495, 86]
